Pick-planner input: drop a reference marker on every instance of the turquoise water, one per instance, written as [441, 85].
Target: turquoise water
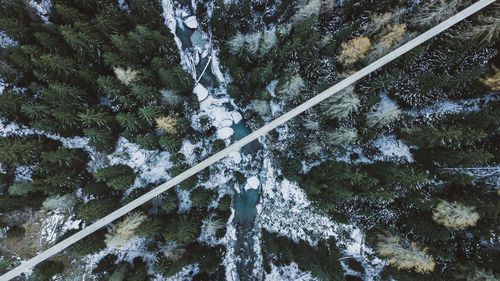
[241, 130]
[244, 202]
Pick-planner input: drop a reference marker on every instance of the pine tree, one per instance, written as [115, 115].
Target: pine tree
[95, 209]
[292, 87]
[59, 202]
[23, 188]
[54, 67]
[129, 121]
[200, 197]
[67, 14]
[84, 43]
[95, 118]
[23, 151]
[145, 94]
[167, 124]
[171, 202]
[354, 50]
[176, 79]
[342, 137]
[405, 255]
[212, 224]
[170, 143]
[122, 232]
[111, 88]
[261, 107]
[11, 104]
[383, 115]
[148, 114]
[182, 229]
[341, 105]
[63, 95]
[126, 76]
[493, 81]
[455, 215]
[436, 12]
[118, 177]
[103, 140]
[444, 136]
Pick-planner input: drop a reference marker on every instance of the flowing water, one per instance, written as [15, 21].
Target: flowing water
[246, 247]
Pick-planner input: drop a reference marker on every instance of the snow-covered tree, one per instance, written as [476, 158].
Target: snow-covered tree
[487, 30]
[493, 81]
[311, 124]
[269, 40]
[342, 136]
[354, 50]
[167, 124]
[379, 21]
[212, 224]
[252, 42]
[170, 97]
[292, 87]
[455, 215]
[342, 104]
[126, 76]
[391, 37]
[121, 233]
[262, 107]
[313, 149]
[310, 9]
[404, 255]
[173, 250]
[66, 201]
[436, 12]
[237, 43]
[384, 114]
[23, 188]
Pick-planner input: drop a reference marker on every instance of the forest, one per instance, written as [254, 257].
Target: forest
[98, 107]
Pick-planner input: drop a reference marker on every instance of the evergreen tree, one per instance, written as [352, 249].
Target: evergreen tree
[118, 177]
[176, 79]
[183, 229]
[96, 209]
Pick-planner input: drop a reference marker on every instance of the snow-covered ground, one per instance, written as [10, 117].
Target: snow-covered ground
[42, 8]
[287, 211]
[287, 273]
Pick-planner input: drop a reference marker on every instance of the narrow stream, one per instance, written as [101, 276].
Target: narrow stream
[246, 197]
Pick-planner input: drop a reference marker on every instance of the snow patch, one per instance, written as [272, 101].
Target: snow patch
[225, 133]
[236, 117]
[151, 166]
[200, 91]
[42, 8]
[6, 41]
[392, 148]
[287, 211]
[288, 272]
[191, 22]
[252, 183]
[24, 173]
[55, 224]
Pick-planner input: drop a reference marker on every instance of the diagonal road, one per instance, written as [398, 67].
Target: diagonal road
[59, 247]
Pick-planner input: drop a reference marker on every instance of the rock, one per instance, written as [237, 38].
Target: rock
[236, 156]
[236, 117]
[225, 133]
[191, 22]
[226, 123]
[200, 91]
[252, 183]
